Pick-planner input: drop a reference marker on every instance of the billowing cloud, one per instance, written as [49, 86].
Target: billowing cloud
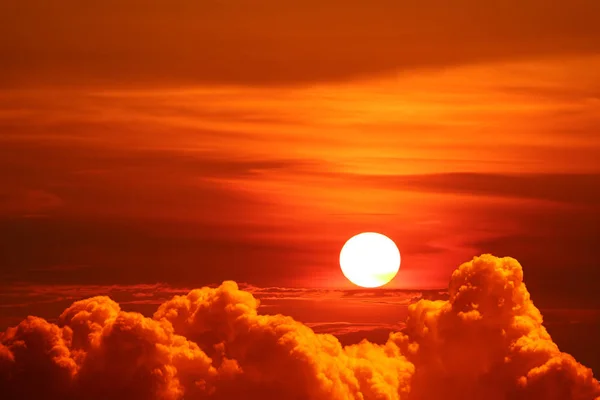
[487, 341]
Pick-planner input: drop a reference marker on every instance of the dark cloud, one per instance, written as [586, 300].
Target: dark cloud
[578, 189]
[58, 160]
[29, 203]
[270, 42]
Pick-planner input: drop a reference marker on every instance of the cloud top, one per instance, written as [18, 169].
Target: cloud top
[487, 341]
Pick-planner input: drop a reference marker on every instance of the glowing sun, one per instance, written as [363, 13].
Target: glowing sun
[370, 259]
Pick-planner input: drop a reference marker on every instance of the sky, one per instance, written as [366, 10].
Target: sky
[147, 150]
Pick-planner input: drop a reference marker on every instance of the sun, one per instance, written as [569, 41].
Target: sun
[370, 259]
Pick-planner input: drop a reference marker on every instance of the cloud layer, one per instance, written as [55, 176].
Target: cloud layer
[486, 341]
[269, 42]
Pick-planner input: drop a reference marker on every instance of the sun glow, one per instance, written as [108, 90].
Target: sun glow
[370, 259]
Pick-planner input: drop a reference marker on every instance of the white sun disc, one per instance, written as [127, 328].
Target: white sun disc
[370, 259]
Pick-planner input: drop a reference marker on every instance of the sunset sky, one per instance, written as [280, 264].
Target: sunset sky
[147, 149]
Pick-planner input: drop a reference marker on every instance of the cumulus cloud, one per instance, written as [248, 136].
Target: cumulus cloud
[487, 341]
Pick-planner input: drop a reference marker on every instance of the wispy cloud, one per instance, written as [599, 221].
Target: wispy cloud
[180, 176]
[273, 44]
[561, 188]
[23, 298]
[344, 328]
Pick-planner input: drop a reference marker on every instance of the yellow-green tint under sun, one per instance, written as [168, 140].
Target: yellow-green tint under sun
[370, 259]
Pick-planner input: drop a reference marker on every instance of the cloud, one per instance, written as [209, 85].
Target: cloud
[486, 341]
[13, 295]
[269, 42]
[29, 203]
[563, 188]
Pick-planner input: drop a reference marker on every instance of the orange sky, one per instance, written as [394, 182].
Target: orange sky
[192, 142]
[284, 175]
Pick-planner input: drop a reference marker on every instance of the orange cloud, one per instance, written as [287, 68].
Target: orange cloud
[486, 341]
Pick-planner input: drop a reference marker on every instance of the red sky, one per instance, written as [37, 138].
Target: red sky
[184, 143]
[264, 184]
